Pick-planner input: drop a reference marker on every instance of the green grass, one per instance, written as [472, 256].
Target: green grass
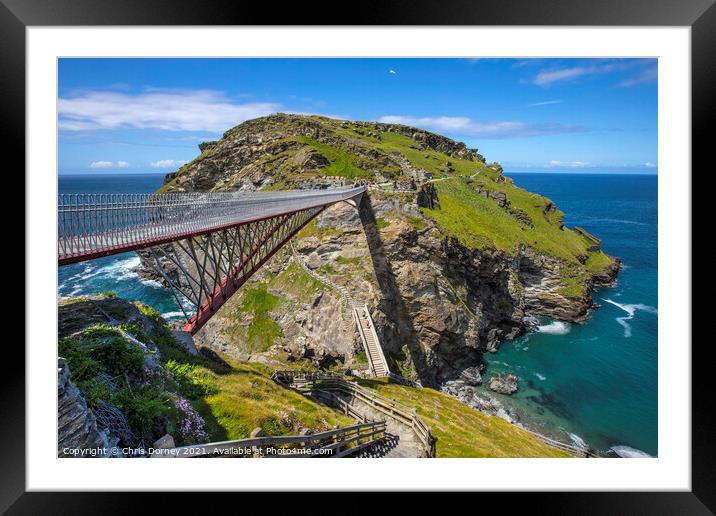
[381, 223]
[342, 260]
[295, 281]
[597, 262]
[262, 331]
[462, 431]
[480, 223]
[343, 164]
[361, 357]
[236, 397]
[247, 398]
[312, 229]
[434, 162]
[417, 222]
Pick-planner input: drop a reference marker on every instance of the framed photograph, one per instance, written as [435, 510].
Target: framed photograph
[457, 238]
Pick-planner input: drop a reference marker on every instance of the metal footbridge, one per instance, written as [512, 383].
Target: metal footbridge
[204, 245]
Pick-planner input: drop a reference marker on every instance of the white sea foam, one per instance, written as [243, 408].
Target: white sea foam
[531, 320]
[151, 283]
[541, 376]
[554, 328]
[172, 315]
[617, 221]
[578, 441]
[75, 290]
[628, 452]
[117, 271]
[630, 309]
[123, 269]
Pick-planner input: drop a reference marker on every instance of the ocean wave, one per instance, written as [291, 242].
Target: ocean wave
[151, 283]
[77, 289]
[578, 441]
[628, 452]
[123, 269]
[119, 270]
[554, 328]
[616, 221]
[173, 315]
[630, 309]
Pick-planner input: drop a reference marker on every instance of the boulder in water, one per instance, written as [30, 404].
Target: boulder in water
[503, 383]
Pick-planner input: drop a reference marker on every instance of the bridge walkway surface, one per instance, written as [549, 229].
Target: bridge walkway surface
[204, 245]
[93, 225]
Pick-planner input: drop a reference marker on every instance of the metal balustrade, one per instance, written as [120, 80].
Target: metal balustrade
[212, 242]
[94, 225]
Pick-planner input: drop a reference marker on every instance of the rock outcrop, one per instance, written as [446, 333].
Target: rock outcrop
[503, 383]
[77, 433]
[438, 302]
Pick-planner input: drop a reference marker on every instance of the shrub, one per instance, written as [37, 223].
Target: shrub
[142, 406]
[117, 355]
[191, 382]
[82, 367]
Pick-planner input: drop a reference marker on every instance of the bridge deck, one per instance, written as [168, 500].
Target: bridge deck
[94, 225]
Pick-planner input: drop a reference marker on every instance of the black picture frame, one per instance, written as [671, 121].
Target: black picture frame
[700, 15]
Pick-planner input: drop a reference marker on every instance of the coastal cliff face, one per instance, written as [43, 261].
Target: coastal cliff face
[450, 264]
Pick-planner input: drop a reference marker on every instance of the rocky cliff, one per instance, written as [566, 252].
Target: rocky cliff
[446, 251]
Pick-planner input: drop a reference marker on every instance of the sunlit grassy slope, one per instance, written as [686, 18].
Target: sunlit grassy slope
[462, 431]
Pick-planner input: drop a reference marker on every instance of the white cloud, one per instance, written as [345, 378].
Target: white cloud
[197, 110]
[168, 163]
[547, 77]
[464, 126]
[392, 72]
[101, 164]
[650, 164]
[567, 164]
[109, 164]
[545, 103]
[649, 74]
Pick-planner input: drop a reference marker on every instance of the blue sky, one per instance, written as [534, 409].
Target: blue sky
[542, 115]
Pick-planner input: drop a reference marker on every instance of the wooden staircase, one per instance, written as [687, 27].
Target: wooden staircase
[371, 343]
[363, 320]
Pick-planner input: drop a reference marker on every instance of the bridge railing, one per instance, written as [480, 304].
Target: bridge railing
[339, 442]
[391, 408]
[93, 223]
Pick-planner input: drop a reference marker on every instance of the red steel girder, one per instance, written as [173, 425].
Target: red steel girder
[239, 274]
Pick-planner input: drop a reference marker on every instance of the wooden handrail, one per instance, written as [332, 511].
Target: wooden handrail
[347, 435]
[385, 405]
[371, 326]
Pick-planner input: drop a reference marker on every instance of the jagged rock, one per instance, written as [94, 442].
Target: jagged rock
[76, 424]
[164, 442]
[471, 375]
[499, 197]
[428, 196]
[503, 383]
[438, 305]
[186, 340]
[521, 216]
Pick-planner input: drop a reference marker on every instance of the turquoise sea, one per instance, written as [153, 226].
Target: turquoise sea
[595, 382]
[114, 272]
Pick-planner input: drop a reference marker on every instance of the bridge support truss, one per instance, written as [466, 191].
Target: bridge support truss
[206, 270]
